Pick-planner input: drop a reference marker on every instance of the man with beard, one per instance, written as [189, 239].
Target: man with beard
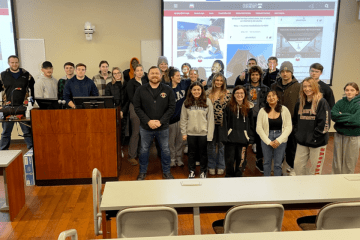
[154, 103]
[15, 82]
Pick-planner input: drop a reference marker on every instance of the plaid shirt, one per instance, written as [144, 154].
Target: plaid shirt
[100, 82]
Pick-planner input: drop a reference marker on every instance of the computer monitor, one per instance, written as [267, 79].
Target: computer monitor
[48, 103]
[94, 102]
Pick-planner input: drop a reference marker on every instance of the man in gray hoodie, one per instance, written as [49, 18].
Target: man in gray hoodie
[46, 86]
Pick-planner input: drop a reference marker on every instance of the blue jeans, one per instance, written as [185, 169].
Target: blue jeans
[216, 159]
[147, 138]
[271, 153]
[6, 135]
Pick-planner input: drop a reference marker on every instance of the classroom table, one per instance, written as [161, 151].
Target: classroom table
[348, 234]
[11, 163]
[209, 192]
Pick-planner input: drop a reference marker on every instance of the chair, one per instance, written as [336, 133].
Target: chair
[333, 216]
[68, 233]
[147, 222]
[96, 185]
[251, 218]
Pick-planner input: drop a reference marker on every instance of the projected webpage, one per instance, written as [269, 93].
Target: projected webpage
[7, 42]
[199, 32]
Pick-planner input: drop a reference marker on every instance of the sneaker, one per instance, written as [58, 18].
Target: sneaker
[220, 171]
[288, 169]
[260, 165]
[168, 176]
[203, 175]
[197, 163]
[180, 163]
[192, 174]
[141, 176]
[292, 172]
[186, 149]
[133, 161]
[211, 171]
[254, 148]
[172, 164]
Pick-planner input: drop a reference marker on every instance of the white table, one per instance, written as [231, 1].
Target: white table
[11, 163]
[348, 234]
[228, 192]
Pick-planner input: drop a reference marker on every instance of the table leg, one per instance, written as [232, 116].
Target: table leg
[5, 206]
[106, 226]
[197, 227]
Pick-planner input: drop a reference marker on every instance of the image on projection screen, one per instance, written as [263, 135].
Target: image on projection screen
[7, 40]
[300, 31]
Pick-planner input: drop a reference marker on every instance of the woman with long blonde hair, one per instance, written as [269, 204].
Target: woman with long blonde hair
[219, 96]
[311, 125]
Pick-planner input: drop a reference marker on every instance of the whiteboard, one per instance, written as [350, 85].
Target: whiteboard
[32, 55]
[150, 52]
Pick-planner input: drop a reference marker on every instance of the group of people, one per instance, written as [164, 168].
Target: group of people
[269, 109]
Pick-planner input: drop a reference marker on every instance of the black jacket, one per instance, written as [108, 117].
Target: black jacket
[243, 128]
[262, 91]
[327, 93]
[270, 78]
[312, 130]
[238, 81]
[8, 84]
[159, 107]
[131, 87]
[118, 90]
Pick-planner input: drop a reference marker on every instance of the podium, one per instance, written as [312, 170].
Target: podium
[69, 143]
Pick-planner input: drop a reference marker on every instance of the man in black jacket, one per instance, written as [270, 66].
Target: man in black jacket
[15, 82]
[154, 103]
[316, 69]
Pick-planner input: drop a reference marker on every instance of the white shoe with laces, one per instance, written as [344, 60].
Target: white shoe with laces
[203, 175]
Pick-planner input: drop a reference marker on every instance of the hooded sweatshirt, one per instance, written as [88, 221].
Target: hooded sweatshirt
[312, 130]
[346, 115]
[180, 95]
[46, 87]
[198, 121]
[242, 128]
[209, 82]
[289, 93]
[130, 73]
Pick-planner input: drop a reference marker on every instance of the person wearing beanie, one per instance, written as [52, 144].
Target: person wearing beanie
[288, 89]
[46, 86]
[130, 73]
[163, 65]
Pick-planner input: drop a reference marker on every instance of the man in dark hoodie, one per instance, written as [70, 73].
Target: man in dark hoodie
[154, 103]
[288, 88]
[79, 86]
[15, 82]
[217, 67]
[130, 73]
[257, 93]
[271, 73]
[316, 69]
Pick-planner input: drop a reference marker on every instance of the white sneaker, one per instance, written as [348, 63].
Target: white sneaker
[254, 148]
[220, 171]
[186, 149]
[211, 171]
[292, 172]
[197, 163]
[172, 164]
[203, 175]
[192, 174]
[180, 163]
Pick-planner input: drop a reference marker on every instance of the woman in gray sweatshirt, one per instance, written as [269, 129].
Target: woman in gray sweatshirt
[197, 126]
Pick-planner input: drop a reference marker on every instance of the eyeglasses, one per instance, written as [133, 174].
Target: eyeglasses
[117, 73]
